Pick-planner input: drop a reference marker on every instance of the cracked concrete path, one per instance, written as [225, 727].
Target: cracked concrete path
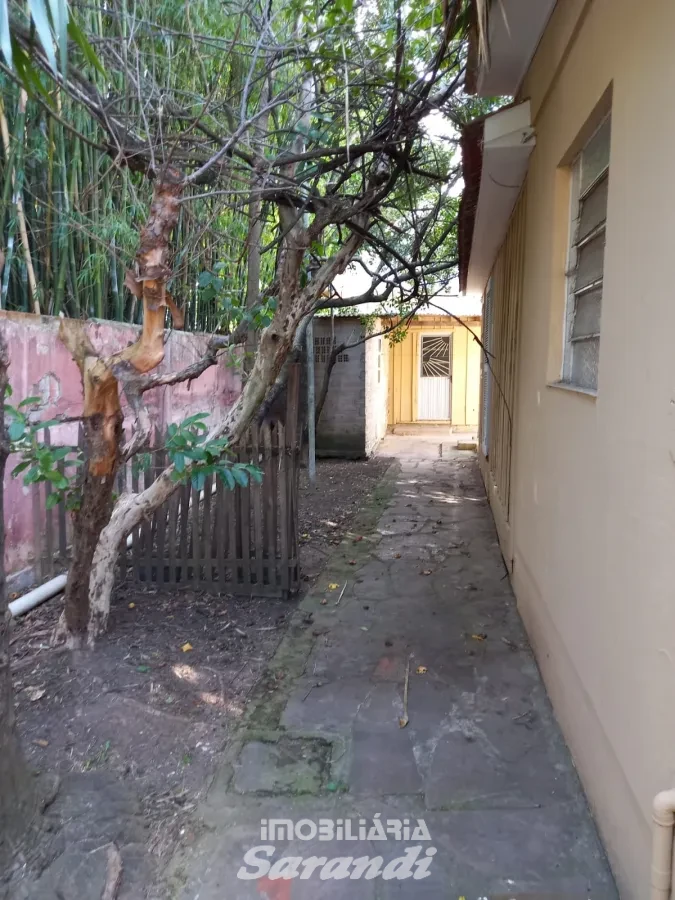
[423, 599]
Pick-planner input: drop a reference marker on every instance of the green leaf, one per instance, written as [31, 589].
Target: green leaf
[40, 17]
[76, 35]
[256, 474]
[179, 462]
[195, 418]
[16, 431]
[59, 11]
[227, 476]
[32, 476]
[52, 500]
[240, 476]
[29, 401]
[198, 481]
[28, 74]
[17, 470]
[61, 452]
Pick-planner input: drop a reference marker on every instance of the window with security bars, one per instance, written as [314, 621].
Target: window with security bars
[323, 347]
[590, 181]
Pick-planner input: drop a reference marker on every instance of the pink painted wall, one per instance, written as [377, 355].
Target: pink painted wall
[41, 366]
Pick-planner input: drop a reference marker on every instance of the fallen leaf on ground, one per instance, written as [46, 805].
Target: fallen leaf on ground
[186, 647]
[364, 628]
[333, 587]
[35, 693]
[132, 606]
[426, 571]
[479, 637]
[324, 602]
[357, 539]
[41, 742]
[142, 668]
[402, 723]
[421, 670]
[397, 555]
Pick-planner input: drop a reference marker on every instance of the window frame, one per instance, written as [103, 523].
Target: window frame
[574, 245]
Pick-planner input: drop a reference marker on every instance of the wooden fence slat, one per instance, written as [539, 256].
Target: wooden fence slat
[146, 534]
[269, 504]
[206, 574]
[184, 552]
[274, 488]
[170, 565]
[283, 507]
[159, 520]
[245, 522]
[195, 544]
[257, 502]
[220, 543]
[232, 544]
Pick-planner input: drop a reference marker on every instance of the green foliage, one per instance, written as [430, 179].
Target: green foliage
[41, 463]
[194, 456]
[214, 292]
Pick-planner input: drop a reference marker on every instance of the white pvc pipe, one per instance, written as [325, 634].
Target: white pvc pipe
[53, 587]
[43, 592]
[37, 596]
[663, 814]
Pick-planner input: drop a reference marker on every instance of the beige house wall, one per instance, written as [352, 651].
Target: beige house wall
[376, 398]
[592, 505]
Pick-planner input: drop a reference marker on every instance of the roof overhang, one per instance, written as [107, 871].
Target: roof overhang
[514, 30]
[493, 180]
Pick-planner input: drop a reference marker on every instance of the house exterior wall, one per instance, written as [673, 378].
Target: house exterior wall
[376, 389]
[404, 363]
[342, 426]
[592, 496]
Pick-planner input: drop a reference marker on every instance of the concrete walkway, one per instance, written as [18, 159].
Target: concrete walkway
[421, 600]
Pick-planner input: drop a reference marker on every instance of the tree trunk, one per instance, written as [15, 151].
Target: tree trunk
[91, 518]
[274, 346]
[18, 789]
[102, 412]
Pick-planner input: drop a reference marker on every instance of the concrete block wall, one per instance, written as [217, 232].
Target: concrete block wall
[342, 426]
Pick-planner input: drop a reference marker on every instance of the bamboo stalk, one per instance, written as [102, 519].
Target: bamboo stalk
[17, 186]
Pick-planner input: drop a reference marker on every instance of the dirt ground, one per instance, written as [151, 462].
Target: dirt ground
[154, 704]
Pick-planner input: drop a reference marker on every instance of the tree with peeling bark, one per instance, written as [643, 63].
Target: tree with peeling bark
[312, 121]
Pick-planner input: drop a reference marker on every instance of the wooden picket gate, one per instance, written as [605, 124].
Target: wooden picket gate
[242, 541]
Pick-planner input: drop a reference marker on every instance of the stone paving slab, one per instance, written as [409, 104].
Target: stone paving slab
[426, 629]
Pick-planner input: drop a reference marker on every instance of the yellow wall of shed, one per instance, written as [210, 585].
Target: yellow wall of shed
[404, 371]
